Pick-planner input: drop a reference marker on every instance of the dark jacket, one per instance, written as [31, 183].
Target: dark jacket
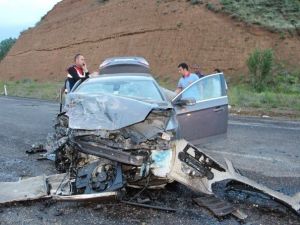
[75, 74]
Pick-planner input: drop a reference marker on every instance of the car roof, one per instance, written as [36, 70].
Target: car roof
[138, 76]
[128, 60]
[126, 64]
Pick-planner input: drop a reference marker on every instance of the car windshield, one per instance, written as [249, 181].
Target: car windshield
[144, 89]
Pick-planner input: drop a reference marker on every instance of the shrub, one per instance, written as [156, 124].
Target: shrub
[276, 15]
[5, 46]
[286, 82]
[210, 6]
[195, 2]
[102, 1]
[260, 65]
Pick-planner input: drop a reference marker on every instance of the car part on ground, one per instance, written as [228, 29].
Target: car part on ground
[218, 206]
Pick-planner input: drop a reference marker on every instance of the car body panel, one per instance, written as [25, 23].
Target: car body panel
[202, 123]
[108, 112]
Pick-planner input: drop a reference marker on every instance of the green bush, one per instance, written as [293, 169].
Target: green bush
[260, 64]
[102, 1]
[210, 6]
[277, 15]
[195, 2]
[5, 46]
[286, 82]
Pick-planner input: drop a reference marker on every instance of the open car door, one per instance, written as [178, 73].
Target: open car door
[202, 108]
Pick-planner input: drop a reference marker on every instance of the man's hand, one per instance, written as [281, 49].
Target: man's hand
[178, 90]
[94, 74]
[84, 68]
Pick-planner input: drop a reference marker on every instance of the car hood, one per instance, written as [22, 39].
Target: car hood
[108, 112]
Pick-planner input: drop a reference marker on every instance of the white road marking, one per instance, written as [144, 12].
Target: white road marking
[246, 156]
[25, 100]
[266, 125]
[285, 167]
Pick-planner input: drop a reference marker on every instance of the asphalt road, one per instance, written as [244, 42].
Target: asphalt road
[266, 150]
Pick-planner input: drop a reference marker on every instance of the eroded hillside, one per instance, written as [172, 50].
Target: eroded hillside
[164, 32]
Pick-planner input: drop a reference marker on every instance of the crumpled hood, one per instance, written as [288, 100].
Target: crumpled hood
[108, 112]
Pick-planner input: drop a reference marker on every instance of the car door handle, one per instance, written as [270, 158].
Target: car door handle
[218, 109]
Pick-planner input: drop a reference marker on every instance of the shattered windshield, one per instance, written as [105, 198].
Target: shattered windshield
[144, 89]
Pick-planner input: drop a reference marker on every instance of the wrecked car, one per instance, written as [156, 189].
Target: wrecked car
[124, 118]
[122, 129]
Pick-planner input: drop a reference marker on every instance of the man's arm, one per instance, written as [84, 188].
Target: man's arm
[179, 86]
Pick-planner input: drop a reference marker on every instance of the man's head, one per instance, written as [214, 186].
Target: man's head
[183, 69]
[195, 67]
[79, 60]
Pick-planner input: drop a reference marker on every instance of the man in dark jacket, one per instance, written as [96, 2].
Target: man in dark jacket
[196, 69]
[76, 72]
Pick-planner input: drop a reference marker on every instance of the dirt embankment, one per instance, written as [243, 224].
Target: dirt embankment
[164, 32]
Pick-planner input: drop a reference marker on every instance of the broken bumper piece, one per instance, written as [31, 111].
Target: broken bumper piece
[42, 187]
[198, 171]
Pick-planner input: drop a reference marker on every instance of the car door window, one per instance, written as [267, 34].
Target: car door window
[206, 88]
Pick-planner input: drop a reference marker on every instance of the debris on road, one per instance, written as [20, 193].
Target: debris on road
[36, 149]
[104, 179]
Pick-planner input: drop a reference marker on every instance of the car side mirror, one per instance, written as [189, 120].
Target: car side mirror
[184, 102]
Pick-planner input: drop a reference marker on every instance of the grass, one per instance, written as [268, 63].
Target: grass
[242, 95]
[32, 89]
[275, 14]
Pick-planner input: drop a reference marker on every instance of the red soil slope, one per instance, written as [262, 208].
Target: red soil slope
[164, 32]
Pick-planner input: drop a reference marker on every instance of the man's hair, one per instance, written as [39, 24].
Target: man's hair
[217, 70]
[183, 66]
[76, 56]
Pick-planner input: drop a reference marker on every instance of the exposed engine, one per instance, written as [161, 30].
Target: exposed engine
[102, 160]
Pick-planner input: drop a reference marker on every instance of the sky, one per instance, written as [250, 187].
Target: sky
[19, 15]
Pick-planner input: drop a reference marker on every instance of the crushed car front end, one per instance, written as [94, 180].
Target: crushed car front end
[113, 137]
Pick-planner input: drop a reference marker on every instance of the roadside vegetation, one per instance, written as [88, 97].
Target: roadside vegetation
[5, 46]
[275, 14]
[268, 85]
[32, 89]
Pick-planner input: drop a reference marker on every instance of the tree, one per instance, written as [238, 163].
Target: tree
[260, 64]
[5, 46]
